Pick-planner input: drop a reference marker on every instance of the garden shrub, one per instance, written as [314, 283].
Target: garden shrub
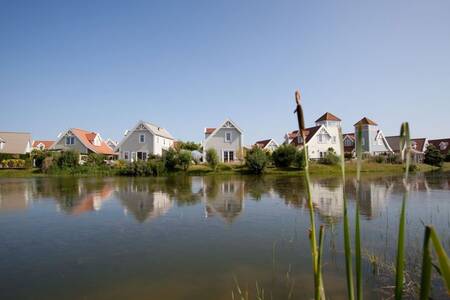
[68, 159]
[299, 160]
[47, 164]
[14, 163]
[256, 160]
[330, 158]
[212, 158]
[184, 159]
[170, 158]
[447, 157]
[433, 156]
[284, 156]
[94, 159]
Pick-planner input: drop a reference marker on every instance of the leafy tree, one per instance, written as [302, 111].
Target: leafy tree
[95, 159]
[299, 160]
[447, 157]
[284, 156]
[38, 156]
[170, 158]
[433, 156]
[212, 158]
[184, 159]
[191, 146]
[68, 159]
[256, 160]
[330, 157]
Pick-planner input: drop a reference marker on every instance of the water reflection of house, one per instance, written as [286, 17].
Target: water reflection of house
[373, 197]
[15, 195]
[223, 198]
[93, 201]
[142, 203]
[328, 200]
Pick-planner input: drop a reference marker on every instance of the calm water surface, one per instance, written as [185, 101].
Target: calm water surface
[195, 237]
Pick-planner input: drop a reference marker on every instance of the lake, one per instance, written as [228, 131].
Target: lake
[202, 237]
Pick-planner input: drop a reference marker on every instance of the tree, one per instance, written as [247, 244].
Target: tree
[184, 159]
[191, 146]
[284, 156]
[256, 160]
[299, 160]
[330, 157]
[68, 159]
[447, 157]
[170, 158]
[212, 158]
[433, 156]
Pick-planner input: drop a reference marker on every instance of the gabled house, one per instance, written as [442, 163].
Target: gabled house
[111, 143]
[42, 145]
[349, 141]
[83, 141]
[373, 140]
[143, 140]
[227, 140]
[442, 145]
[319, 138]
[418, 147]
[15, 142]
[269, 145]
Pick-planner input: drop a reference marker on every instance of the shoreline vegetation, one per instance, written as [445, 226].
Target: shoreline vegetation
[315, 169]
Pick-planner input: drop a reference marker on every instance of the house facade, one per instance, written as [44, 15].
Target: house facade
[373, 140]
[418, 147]
[227, 140]
[349, 143]
[83, 141]
[319, 138]
[269, 145]
[15, 142]
[143, 140]
[42, 145]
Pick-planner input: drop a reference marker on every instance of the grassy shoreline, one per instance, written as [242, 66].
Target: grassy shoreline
[200, 170]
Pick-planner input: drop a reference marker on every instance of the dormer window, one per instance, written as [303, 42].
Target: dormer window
[443, 145]
[227, 137]
[142, 138]
[70, 140]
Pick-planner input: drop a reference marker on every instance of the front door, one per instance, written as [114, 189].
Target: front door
[228, 156]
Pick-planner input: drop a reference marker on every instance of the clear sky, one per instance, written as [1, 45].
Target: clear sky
[186, 65]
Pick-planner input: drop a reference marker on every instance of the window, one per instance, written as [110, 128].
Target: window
[333, 140]
[70, 140]
[133, 156]
[142, 155]
[227, 136]
[142, 138]
[228, 156]
[126, 155]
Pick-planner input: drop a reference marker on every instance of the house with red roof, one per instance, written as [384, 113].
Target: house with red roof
[83, 141]
[442, 145]
[226, 139]
[269, 145]
[42, 144]
[319, 138]
[373, 140]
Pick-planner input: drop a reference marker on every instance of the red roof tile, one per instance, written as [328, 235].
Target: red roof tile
[262, 143]
[47, 144]
[209, 130]
[365, 121]
[87, 138]
[328, 117]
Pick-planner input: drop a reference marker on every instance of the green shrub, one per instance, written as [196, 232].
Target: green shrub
[284, 156]
[153, 167]
[447, 157]
[191, 146]
[170, 158]
[47, 164]
[212, 158]
[68, 159]
[299, 160]
[256, 160]
[184, 159]
[38, 157]
[94, 159]
[14, 163]
[433, 156]
[330, 158]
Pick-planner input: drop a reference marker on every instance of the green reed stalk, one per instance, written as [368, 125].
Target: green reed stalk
[347, 242]
[444, 263]
[319, 263]
[319, 292]
[405, 147]
[358, 264]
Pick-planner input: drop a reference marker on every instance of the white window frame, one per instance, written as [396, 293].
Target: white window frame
[141, 141]
[226, 136]
[228, 155]
[133, 156]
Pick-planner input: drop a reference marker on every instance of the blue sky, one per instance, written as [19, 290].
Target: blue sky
[186, 65]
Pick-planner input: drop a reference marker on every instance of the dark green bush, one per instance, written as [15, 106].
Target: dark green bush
[433, 156]
[170, 158]
[68, 159]
[284, 156]
[94, 159]
[330, 158]
[212, 158]
[299, 160]
[256, 160]
[184, 159]
[191, 146]
[153, 167]
[447, 157]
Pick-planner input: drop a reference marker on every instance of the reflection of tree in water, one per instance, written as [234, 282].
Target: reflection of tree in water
[181, 189]
[224, 197]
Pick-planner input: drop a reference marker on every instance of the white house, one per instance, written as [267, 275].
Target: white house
[143, 140]
[373, 140]
[227, 140]
[269, 145]
[319, 138]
